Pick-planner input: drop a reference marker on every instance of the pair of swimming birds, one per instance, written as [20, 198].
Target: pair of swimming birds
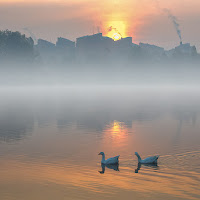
[115, 160]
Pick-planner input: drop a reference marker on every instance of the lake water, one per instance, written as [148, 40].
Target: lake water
[50, 139]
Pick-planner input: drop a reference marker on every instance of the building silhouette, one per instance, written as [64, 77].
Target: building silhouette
[97, 48]
[65, 50]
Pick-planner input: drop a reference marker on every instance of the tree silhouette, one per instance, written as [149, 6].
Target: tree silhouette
[15, 46]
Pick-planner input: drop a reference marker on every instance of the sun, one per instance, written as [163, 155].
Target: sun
[116, 36]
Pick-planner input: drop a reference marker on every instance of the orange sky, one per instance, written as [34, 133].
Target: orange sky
[141, 19]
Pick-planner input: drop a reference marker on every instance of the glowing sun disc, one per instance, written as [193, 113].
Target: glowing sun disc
[116, 36]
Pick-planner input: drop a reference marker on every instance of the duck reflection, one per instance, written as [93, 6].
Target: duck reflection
[153, 166]
[113, 166]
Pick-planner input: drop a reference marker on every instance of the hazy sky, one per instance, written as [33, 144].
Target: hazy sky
[144, 20]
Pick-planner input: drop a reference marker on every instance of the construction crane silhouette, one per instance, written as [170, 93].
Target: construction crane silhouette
[31, 34]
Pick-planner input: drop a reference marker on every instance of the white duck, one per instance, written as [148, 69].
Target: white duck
[109, 161]
[149, 160]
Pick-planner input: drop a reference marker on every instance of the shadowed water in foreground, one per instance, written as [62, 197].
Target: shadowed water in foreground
[50, 139]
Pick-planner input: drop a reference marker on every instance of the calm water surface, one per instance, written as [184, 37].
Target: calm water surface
[50, 139]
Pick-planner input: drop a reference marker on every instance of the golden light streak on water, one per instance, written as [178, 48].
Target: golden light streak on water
[70, 176]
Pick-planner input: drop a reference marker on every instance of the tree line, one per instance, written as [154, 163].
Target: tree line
[15, 46]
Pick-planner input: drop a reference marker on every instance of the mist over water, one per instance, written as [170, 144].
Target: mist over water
[98, 74]
[50, 138]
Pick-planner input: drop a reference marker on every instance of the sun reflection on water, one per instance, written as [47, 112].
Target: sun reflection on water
[118, 129]
[116, 133]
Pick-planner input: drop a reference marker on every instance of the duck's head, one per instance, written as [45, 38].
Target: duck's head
[101, 153]
[136, 153]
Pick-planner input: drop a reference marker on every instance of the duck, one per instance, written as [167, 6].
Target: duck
[149, 160]
[109, 161]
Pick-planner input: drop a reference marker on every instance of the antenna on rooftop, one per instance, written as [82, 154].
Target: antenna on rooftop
[93, 30]
[98, 29]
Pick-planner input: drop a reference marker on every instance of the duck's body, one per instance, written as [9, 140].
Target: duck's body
[109, 161]
[149, 160]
